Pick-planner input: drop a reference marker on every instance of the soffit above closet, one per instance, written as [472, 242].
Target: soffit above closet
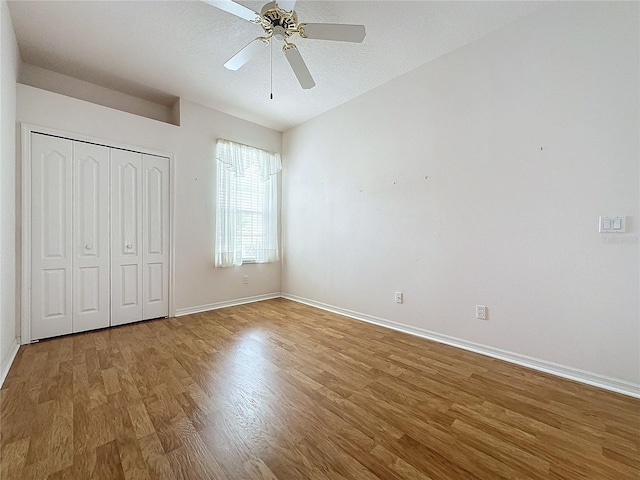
[161, 50]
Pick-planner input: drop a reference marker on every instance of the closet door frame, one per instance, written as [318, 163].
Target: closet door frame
[26, 131]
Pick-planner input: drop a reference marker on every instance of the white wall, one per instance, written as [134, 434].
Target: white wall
[72, 87]
[10, 61]
[198, 283]
[478, 179]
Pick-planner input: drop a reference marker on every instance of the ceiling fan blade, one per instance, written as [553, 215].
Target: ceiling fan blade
[334, 31]
[246, 54]
[298, 66]
[235, 8]
[287, 5]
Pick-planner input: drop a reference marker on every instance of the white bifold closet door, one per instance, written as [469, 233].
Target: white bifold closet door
[51, 236]
[155, 235]
[69, 235]
[99, 236]
[139, 236]
[91, 299]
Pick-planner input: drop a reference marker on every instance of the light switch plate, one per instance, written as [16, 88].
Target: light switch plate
[612, 224]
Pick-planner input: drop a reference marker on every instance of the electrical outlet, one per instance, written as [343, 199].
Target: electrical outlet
[398, 297]
[245, 279]
[481, 312]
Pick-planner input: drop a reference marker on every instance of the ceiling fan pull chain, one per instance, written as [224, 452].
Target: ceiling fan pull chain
[271, 45]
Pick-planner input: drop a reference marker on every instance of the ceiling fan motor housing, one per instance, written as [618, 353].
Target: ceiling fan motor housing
[277, 22]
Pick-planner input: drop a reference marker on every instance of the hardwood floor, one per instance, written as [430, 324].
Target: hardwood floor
[279, 390]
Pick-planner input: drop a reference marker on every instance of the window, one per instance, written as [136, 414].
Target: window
[246, 205]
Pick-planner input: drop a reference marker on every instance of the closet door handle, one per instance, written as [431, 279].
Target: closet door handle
[129, 246]
[88, 247]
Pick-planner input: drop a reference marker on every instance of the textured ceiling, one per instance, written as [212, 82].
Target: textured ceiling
[167, 49]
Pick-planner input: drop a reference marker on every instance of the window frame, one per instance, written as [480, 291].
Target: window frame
[237, 200]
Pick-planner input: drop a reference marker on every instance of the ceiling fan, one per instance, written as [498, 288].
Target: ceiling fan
[279, 21]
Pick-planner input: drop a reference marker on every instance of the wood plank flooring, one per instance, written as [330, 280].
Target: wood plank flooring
[279, 390]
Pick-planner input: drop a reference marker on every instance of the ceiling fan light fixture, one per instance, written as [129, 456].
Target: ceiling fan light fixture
[279, 33]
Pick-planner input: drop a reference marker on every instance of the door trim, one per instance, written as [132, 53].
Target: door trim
[25, 292]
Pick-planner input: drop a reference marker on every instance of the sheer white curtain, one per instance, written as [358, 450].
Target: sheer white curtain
[246, 204]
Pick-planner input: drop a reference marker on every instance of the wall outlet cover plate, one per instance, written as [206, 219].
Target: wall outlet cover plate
[615, 224]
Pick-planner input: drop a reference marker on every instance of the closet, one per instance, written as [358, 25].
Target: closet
[99, 231]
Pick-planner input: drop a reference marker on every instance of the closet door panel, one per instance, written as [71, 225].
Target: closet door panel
[155, 224]
[126, 237]
[91, 237]
[51, 236]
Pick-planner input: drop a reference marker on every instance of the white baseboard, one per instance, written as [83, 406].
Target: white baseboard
[229, 303]
[596, 380]
[8, 359]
